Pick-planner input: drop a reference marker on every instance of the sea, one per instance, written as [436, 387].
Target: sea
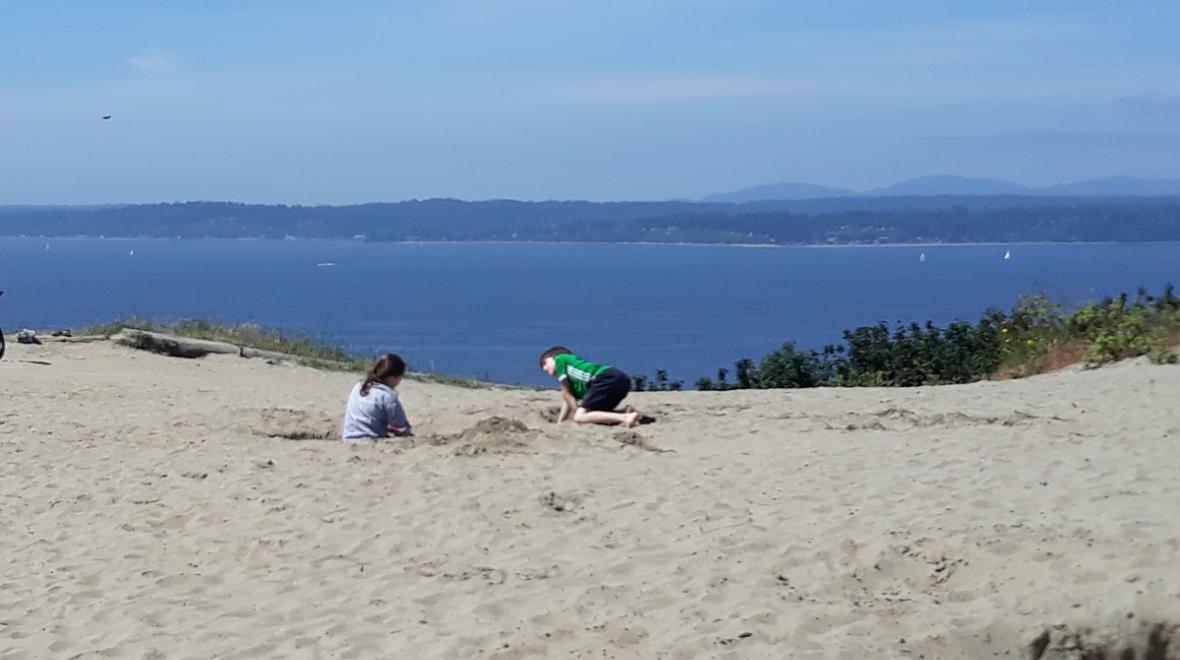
[489, 309]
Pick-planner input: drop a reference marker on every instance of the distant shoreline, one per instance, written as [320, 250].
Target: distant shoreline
[893, 221]
[623, 243]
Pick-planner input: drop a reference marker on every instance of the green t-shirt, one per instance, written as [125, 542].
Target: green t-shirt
[579, 372]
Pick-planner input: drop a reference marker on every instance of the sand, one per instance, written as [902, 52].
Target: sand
[154, 507]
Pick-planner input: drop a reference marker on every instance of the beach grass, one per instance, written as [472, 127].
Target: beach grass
[303, 350]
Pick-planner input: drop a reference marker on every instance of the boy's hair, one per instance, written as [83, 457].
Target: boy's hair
[389, 365]
[553, 352]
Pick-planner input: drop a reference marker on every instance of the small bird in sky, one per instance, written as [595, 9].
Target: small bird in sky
[106, 117]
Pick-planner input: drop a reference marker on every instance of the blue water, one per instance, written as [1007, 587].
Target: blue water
[488, 310]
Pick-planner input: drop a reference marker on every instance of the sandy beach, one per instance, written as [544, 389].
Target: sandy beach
[155, 507]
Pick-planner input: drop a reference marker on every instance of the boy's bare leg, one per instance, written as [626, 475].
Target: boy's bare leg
[628, 419]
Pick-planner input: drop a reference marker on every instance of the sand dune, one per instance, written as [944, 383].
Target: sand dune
[161, 508]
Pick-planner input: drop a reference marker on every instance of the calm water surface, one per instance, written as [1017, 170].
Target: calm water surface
[489, 309]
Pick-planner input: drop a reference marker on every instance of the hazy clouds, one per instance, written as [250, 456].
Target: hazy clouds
[304, 102]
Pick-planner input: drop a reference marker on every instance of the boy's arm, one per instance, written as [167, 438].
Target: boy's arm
[568, 403]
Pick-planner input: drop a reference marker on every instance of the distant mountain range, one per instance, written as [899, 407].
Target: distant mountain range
[944, 185]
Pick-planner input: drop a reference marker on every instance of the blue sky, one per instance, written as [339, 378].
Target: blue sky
[317, 102]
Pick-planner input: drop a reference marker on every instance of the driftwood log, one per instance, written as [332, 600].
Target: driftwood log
[185, 347]
[81, 339]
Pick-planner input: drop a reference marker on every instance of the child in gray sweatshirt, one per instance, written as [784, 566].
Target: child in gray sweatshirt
[373, 409]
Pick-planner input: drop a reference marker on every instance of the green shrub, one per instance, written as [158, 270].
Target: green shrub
[1036, 336]
[788, 368]
[1120, 328]
[1163, 354]
[660, 383]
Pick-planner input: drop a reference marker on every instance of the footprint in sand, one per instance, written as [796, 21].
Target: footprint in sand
[293, 424]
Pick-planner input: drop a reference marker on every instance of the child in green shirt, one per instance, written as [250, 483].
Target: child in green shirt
[589, 392]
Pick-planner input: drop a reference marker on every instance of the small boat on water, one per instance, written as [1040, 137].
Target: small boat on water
[922, 258]
[1007, 254]
[325, 264]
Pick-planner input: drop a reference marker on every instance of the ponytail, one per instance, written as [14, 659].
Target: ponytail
[389, 366]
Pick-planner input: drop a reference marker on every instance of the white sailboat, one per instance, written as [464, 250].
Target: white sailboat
[1007, 254]
[922, 258]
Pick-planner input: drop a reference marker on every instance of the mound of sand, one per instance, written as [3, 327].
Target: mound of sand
[495, 435]
[156, 508]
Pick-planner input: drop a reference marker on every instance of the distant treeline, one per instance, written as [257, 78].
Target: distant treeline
[810, 222]
[1036, 336]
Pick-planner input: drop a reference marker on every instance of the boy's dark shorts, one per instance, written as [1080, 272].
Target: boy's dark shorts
[606, 391]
